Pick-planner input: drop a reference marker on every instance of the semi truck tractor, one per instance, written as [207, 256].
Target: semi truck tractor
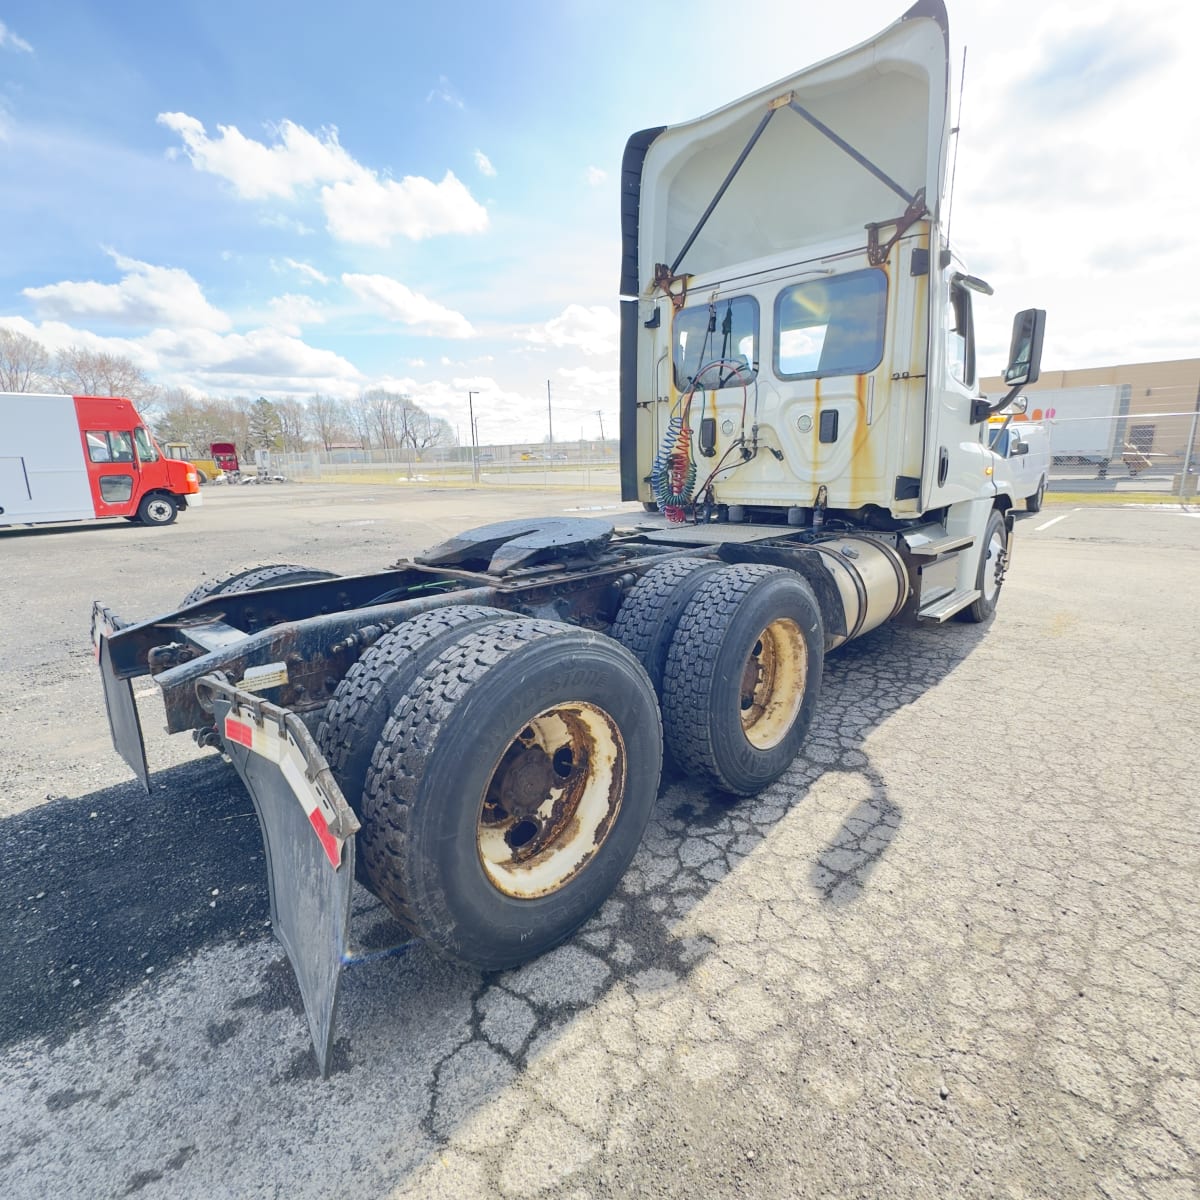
[85, 458]
[477, 733]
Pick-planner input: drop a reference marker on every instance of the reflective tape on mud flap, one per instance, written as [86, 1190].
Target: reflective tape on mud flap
[308, 836]
[276, 746]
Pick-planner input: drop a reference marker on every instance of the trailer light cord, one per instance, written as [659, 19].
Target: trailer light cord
[673, 472]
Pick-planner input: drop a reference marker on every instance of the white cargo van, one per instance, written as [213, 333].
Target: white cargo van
[1023, 449]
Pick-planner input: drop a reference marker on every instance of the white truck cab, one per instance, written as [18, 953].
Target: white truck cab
[797, 334]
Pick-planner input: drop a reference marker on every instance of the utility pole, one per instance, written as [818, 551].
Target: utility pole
[1187, 454]
[600, 414]
[550, 416]
[474, 442]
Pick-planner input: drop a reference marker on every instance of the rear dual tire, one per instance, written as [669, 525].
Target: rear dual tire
[252, 579]
[743, 676]
[510, 789]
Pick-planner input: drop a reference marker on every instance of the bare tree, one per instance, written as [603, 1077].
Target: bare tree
[386, 411]
[326, 420]
[199, 421]
[24, 363]
[358, 413]
[293, 419]
[83, 372]
[427, 431]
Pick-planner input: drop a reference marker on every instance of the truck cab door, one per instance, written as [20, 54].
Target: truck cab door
[956, 466]
[112, 471]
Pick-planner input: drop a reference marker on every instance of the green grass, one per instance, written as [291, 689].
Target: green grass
[1095, 499]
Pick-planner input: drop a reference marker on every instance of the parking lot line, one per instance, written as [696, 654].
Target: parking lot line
[1052, 521]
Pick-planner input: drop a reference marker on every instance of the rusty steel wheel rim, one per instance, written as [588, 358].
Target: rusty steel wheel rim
[551, 800]
[773, 683]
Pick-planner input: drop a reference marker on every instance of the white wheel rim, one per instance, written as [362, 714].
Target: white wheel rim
[551, 800]
[991, 566]
[773, 682]
[159, 510]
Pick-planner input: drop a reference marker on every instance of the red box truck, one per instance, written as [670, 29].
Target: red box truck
[84, 458]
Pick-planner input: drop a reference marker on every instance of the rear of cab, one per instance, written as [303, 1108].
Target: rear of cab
[847, 336]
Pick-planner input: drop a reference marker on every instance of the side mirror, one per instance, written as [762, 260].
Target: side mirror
[1025, 354]
[1019, 448]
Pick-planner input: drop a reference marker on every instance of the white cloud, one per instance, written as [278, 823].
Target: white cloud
[484, 164]
[307, 271]
[11, 41]
[270, 357]
[445, 93]
[589, 381]
[360, 205]
[257, 171]
[399, 303]
[263, 361]
[146, 295]
[595, 176]
[287, 224]
[371, 211]
[57, 335]
[594, 330]
[291, 311]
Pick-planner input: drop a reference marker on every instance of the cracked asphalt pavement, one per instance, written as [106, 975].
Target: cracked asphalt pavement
[952, 952]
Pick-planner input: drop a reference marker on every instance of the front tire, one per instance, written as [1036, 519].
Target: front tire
[743, 676]
[993, 555]
[510, 790]
[157, 509]
[1033, 503]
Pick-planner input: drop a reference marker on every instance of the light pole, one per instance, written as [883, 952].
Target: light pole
[474, 442]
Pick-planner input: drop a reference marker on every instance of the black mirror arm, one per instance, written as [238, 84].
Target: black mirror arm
[981, 409]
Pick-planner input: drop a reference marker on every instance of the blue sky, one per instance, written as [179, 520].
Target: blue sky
[181, 194]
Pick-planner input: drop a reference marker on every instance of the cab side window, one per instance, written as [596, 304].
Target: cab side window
[717, 344]
[832, 326]
[147, 453]
[109, 445]
[97, 444]
[960, 336]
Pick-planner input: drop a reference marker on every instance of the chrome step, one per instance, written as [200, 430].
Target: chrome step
[942, 610]
[934, 547]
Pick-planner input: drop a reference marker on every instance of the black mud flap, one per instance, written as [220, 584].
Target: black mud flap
[308, 834]
[123, 721]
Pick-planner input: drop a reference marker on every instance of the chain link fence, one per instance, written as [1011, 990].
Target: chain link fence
[1109, 439]
[587, 468]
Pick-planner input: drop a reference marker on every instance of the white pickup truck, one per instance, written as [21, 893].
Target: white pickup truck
[1024, 451]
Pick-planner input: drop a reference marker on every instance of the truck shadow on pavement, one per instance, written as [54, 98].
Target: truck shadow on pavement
[108, 890]
[105, 890]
